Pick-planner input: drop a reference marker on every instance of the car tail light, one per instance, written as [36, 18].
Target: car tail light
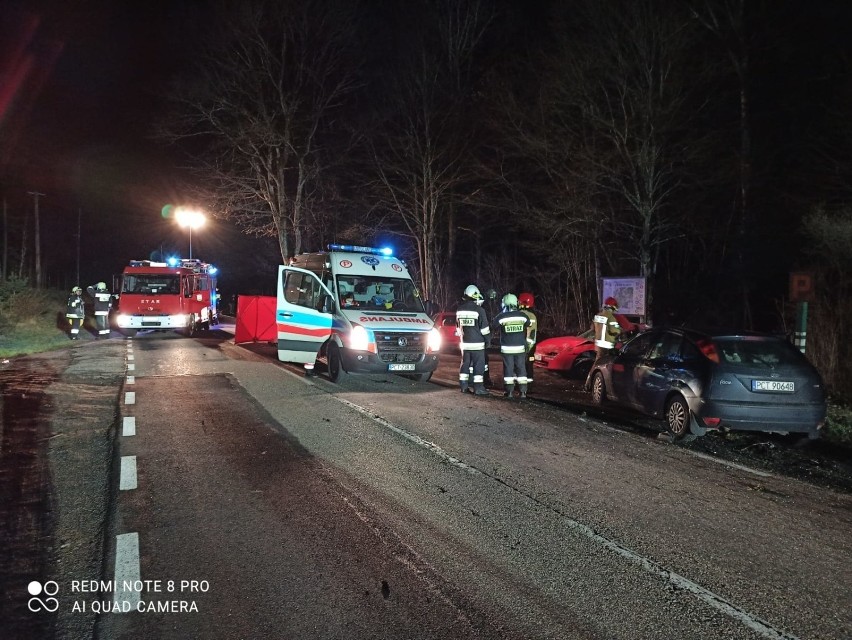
[712, 423]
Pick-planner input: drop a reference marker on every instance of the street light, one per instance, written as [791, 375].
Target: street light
[191, 218]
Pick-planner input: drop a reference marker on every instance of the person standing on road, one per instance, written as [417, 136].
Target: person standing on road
[75, 311]
[474, 332]
[607, 329]
[513, 324]
[103, 303]
[526, 302]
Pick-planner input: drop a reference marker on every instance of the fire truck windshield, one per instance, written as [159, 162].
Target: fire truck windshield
[151, 283]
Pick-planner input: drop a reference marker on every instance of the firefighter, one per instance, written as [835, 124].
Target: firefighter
[474, 332]
[513, 324]
[526, 302]
[75, 311]
[103, 303]
[607, 329]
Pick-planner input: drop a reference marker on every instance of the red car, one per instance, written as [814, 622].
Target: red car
[567, 354]
[445, 323]
[574, 355]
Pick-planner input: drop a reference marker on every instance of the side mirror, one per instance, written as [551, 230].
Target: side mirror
[326, 304]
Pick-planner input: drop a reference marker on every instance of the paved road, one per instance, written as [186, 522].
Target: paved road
[381, 507]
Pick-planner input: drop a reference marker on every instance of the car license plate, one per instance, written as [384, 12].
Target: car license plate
[538, 356]
[400, 367]
[773, 385]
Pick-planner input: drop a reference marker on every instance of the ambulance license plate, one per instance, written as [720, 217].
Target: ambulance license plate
[400, 367]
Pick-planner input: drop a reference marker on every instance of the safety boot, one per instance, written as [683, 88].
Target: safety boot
[479, 389]
[510, 389]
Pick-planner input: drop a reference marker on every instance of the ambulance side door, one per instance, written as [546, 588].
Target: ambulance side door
[304, 314]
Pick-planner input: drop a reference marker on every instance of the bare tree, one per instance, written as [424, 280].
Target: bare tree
[256, 112]
[421, 149]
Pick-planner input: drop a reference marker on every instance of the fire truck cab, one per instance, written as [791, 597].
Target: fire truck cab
[359, 308]
[178, 295]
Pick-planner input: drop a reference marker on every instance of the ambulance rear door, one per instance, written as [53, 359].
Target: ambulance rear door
[304, 314]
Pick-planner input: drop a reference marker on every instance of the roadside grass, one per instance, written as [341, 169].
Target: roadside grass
[838, 424]
[31, 321]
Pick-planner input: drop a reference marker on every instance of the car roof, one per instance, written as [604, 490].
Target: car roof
[718, 333]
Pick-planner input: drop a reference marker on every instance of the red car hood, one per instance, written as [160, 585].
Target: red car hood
[562, 342]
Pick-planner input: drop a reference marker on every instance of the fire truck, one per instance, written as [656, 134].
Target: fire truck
[178, 295]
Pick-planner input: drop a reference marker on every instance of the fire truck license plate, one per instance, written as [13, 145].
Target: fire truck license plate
[400, 367]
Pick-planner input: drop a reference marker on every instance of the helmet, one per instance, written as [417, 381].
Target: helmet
[77, 290]
[611, 302]
[510, 301]
[101, 286]
[526, 300]
[472, 292]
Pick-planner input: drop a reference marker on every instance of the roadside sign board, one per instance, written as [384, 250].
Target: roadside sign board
[630, 293]
[801, 286]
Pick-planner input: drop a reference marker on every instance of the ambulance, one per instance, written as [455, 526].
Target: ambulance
[358, 308]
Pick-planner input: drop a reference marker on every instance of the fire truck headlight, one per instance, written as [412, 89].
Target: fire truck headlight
[360, 339]
[434, 343]
[122, 320]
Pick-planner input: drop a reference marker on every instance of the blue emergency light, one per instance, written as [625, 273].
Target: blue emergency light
[173, 262]
[384, 251]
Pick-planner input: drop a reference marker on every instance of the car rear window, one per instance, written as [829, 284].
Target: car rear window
[768, 353]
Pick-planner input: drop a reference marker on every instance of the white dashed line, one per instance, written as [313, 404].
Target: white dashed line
[130, 397]
[130, 356]
[131, 367]
[733, 465]
[131, 379]
[715, 601]
[126, 571]
[129, 426]
[127, 477]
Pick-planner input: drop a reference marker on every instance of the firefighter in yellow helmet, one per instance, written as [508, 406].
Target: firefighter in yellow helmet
[75, 311]
[103, 303]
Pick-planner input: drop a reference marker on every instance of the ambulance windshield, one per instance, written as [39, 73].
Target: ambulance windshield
[374, 293]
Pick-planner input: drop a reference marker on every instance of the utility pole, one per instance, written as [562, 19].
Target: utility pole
[5, 239]
[36, 195]
[79, 217]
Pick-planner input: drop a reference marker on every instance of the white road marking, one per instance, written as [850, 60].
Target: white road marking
[733, 465]
[131, 367]
[129, 426]
[127, 477]
[126, 570]
[131, 379]
[714, 600]
[130, 397]
[130, 356]
[431, 446]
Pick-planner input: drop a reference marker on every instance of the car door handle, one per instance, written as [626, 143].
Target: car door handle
[286, 314]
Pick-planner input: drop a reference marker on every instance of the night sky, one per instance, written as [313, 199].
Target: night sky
[84, 82]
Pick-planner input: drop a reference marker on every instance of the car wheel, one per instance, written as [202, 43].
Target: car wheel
[598, 389]
[335, 369]
[677, 417]
[190, 327]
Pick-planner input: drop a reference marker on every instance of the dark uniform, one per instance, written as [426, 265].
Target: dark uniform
[607, 329]
[526, 302]
[75, 311]
[103, 303]
[474, 332]
[513, 324]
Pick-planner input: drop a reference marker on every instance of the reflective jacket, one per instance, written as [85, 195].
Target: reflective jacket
[607, 328]
[513, 331]
[75, 307]
[103, 301]
[532, 328]
[472, 326]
